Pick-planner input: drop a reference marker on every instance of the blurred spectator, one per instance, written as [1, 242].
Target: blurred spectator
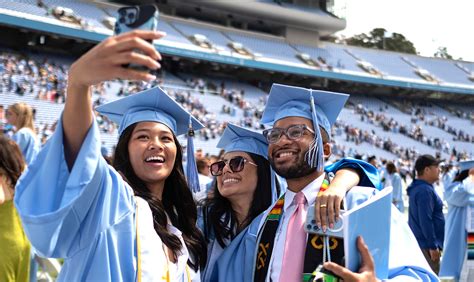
[396, 182]
[459, 226]
[14, 245]
[204, 178]
[425, 210]
[20, 116]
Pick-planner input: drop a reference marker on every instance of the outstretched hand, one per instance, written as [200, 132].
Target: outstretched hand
[104, 61]
[366, 270]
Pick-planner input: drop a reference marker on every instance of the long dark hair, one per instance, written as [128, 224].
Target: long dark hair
[460, 176]
[12, 163]
[221, 218]
[177, 202]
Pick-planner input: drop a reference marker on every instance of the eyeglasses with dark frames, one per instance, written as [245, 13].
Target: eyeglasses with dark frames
[236, 164]
[293, 132]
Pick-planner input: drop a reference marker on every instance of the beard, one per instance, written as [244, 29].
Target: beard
[299, 169]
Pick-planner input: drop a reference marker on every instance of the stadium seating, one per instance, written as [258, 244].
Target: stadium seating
[206, 92]
[23, 6]
[338, 57]
[267, 47]
[218, 39]
[332, 57]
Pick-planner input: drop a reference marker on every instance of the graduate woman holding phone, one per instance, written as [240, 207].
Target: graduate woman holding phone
[130, 222]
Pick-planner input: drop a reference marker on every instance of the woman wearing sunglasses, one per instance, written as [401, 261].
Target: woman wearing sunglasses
[135, 221]
[246, 186]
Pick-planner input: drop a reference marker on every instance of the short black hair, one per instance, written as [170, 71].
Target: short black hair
[425, 161]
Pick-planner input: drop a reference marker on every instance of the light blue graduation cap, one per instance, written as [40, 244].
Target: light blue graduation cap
[155, 105]
[150, 105]
[466, 165]
[321, 107]
[236, 138]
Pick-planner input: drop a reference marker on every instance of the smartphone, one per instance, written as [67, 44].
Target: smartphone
[144, 17]
[311, 227]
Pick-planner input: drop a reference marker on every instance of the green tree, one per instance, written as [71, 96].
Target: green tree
[443, 53]
[378, 38]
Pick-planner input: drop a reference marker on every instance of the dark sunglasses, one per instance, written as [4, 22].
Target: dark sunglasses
[293, 132]
[236, 164]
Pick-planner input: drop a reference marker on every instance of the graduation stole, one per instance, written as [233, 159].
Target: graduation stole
[166, 277]
[470, 232]
[139, 256]
[314, 254]
[470, 246]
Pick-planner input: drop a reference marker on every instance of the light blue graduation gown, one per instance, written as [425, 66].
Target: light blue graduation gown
[455, 234]
[85, 215]
[214, 251]
[370, 176]
[397, 194]
[28, 142]
[406, 262]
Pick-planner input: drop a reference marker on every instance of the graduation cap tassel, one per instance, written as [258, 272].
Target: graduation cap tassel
[314, 156]
[191, 167]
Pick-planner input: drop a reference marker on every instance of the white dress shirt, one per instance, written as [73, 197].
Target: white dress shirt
[310, 192]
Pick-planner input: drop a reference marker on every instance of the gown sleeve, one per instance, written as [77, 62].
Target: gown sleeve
[406, 261]
[456, 194]
[369, 175]
[64, 211]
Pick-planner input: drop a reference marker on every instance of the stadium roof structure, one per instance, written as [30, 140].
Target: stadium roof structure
[270, 53]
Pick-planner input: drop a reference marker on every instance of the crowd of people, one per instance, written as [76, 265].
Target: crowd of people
[415, 132]
[134, 216]
[26, 76]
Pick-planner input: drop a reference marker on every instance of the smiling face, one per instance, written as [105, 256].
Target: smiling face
[238, 184]
[152, 152]
[286, 156]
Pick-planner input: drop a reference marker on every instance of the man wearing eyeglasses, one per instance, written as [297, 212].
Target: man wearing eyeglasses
[301, 121]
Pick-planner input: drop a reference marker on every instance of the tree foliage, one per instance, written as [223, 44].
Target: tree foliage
[378, 38]
[443, 53]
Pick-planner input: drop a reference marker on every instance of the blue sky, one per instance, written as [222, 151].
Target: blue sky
[427, 23]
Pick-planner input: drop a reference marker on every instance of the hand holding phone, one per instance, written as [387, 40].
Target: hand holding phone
[312, 227]
[144, 17]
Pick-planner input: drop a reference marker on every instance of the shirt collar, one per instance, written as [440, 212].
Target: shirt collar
[310, 192]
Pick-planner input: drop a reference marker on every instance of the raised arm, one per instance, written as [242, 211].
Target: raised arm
[103, 62]
[63, 210]
[456, 194]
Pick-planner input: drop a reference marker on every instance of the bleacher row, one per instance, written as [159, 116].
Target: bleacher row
[208, 92]
[332, 57]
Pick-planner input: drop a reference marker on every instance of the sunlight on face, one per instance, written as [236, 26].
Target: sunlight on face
[152, 151]
[238, 184]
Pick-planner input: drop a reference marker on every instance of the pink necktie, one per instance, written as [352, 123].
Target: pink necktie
[295, 243]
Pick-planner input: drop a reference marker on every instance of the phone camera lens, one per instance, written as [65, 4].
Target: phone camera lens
[131, 16]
